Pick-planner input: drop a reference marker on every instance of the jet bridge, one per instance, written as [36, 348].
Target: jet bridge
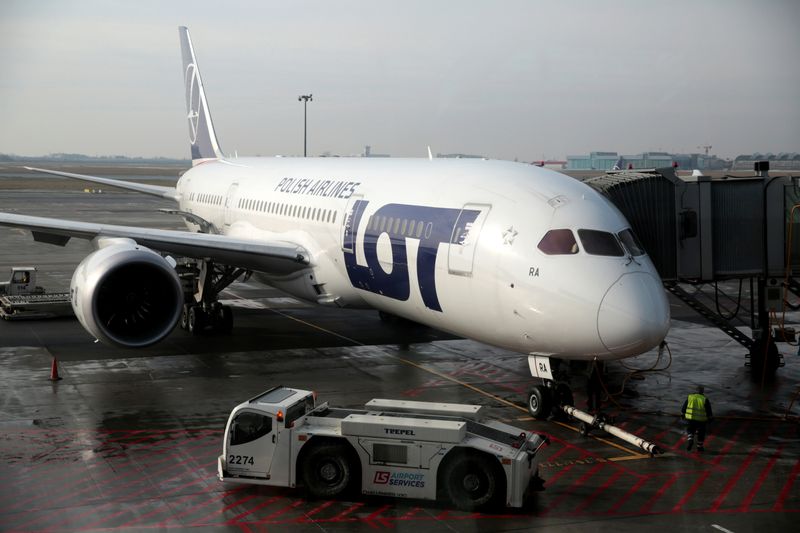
[723, 246]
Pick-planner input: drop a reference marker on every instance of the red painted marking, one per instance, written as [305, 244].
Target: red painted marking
[787, 488]
[235, 520]
[552, 480]
[734, 479]
[696, 485]
[319, 508]
[375, 516]
[280, 512]
[206, 503]
[409, 515]
[557, 454]
[763, 476]
[341, 516]
[68, 493]
[237, 503]
[596, 494]
[110, 482]
[659, 493]
[636, 486]
[575, 485]
[158, 510]
[731, 442]
[96, 510]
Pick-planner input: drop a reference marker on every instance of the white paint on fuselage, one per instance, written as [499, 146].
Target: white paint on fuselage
[500, 302]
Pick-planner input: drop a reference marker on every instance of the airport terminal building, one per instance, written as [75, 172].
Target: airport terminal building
[607, 160]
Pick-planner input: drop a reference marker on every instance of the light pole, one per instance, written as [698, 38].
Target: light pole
[305, 98]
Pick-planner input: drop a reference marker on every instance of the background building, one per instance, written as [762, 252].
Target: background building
[606, 161]
[781, 161]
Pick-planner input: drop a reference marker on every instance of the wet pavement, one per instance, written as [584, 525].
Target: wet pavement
[128, 440]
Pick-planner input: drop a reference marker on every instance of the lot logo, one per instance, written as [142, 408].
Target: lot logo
[399, 479]
[431, 226]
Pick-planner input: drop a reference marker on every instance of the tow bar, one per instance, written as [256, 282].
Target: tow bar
[589, 421]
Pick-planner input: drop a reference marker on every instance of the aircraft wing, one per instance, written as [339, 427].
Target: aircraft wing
[154, 190]
[277, 257]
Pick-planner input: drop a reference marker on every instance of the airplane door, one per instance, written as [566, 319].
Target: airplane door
[352, 213]
[251, 444]
[464, 241]
[230, 202]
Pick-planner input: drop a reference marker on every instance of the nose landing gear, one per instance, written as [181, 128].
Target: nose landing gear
[547, 398]
[554, 390]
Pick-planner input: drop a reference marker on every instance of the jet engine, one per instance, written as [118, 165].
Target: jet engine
[125, 294]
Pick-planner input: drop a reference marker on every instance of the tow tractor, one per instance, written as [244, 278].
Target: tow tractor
[398, 448]
[21, 298]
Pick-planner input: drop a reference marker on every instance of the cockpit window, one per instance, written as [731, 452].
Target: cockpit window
[629, 240]
[600, 243]
[559, 242]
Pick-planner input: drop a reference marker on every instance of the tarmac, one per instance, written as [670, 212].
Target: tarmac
[127, 440]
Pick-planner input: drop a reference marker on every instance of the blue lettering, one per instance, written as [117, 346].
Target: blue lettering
[432, 226]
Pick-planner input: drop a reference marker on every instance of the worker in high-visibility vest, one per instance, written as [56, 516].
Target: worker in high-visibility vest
[697, 412]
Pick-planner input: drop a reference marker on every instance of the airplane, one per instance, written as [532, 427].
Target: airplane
[508, 254]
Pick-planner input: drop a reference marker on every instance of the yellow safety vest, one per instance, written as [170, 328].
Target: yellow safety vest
[696, 408]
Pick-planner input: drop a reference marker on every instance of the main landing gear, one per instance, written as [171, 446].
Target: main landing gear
[202, 283]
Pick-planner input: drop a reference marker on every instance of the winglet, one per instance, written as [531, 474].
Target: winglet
[201, 130]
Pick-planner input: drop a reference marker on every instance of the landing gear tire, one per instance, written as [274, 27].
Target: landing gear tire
[225, 319]
[197, 320]
[539, 402]
[184, 321]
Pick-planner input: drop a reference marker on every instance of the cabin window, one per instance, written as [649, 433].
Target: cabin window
[558, 242]
[600, 243]
[396, 225]
[247, 427]
[404, 226]
[631, 243]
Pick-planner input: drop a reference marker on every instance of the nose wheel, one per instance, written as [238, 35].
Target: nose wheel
[539, 402]
[543, 398]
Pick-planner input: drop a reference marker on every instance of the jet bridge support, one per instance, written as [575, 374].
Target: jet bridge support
[704, 235]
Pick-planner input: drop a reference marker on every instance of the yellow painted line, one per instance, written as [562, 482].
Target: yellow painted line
[633, 455]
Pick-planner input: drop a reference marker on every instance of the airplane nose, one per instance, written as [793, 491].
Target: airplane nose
[634, 314]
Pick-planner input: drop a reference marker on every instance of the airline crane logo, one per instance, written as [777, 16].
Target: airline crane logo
[192, 100]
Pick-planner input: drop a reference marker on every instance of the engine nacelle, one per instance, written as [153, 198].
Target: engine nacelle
[126, 294]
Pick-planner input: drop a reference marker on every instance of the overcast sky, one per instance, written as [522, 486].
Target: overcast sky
[504, 79]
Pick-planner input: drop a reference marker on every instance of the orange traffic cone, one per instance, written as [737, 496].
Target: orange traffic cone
[54, 370]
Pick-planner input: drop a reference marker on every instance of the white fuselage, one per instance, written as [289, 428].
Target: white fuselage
[448, 243]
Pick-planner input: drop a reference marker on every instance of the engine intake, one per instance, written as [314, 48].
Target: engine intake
[127, 295]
